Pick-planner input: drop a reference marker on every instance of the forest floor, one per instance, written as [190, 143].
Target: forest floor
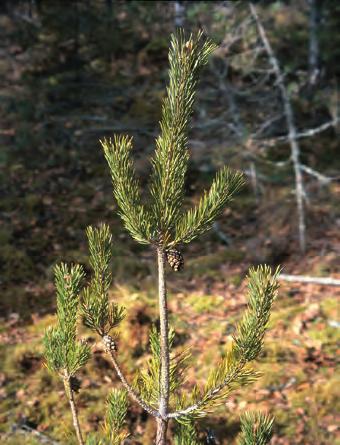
[298, 363]
[56, 183]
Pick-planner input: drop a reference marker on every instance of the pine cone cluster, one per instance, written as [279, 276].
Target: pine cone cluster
[175, 259]
[109, 343]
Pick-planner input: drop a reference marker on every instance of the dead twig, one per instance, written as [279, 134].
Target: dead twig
[304, 134]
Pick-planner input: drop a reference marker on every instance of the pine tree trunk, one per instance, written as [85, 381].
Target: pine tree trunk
[162, 424]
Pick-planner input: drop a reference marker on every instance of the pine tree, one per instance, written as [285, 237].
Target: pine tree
[164, 225]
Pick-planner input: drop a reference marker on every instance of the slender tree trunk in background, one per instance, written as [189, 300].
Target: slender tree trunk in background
[109, 5]
[76, 42]
[253, 179]
[162, 424]
[179, 8]
[314, 50]
[30, 8]
[292, 133]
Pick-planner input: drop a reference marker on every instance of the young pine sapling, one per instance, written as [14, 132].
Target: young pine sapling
[162, 224]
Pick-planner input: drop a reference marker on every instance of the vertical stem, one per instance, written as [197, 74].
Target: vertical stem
[313, 55]
[179, 14]
[253, 178]
[69, 393]
[162, 423]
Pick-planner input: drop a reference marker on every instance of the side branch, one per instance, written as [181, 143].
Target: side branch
[133, 394]
[209, 396]
[303, 134]
[319, 176]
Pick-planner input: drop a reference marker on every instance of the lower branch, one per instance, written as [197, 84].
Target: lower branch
[319, 176]
[70, 395]
[209, 396]
[133, 394]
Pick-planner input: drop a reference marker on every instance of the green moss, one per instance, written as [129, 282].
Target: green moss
[285, 315]
[204, 303]
[277, 352]
[209, 264]
[330, 307]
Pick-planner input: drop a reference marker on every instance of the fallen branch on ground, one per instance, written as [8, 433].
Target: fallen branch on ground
[327, 281]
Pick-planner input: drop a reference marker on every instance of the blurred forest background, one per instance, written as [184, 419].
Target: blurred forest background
[76, 71]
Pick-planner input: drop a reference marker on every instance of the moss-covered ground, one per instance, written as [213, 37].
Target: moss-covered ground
[298, 363]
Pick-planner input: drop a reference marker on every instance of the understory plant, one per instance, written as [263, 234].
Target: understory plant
[160, 222]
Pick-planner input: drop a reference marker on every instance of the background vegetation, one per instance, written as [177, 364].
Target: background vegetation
[74, 72]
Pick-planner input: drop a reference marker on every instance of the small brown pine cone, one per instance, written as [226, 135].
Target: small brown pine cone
[75, 383]
[109, 344]
[175, 259]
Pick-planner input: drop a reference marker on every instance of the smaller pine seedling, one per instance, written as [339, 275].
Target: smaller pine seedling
[163, 224]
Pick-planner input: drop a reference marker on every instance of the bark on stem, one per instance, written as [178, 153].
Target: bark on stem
[162, 423]
[70, 395]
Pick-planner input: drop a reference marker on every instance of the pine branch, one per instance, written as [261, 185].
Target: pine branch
[63, 353]
[186, 434]
[98, 313]
[132, 391]
[186, 57]
[95, 439]
[262, 290]
[67, 283]
[228, 376]
[126, 188]
[256, 429]
[201, 218]
[234, 371]
[117, 404]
